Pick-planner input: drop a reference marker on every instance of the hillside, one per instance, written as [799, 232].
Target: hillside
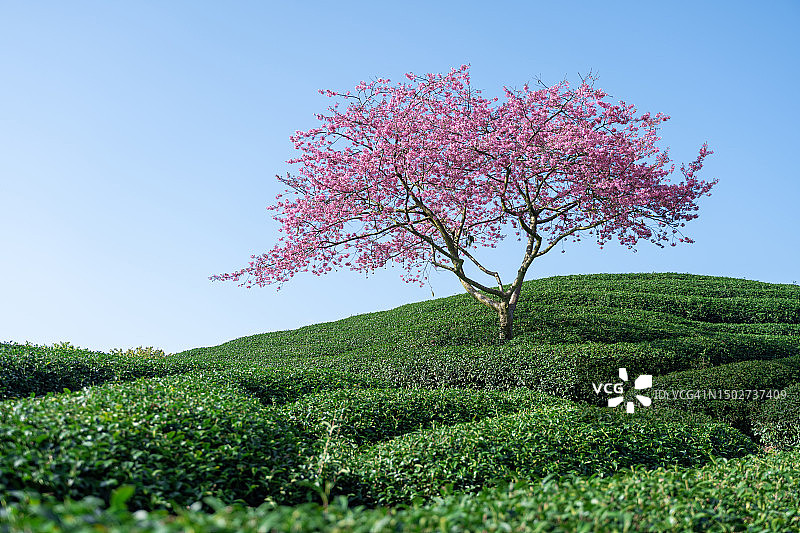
[397, 408]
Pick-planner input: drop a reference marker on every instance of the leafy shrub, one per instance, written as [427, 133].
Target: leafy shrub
[670, 283]
[749, 494]
[532, 444]
[777, 423]
[583, 327]
[31, 369]
[179, 438]
[372, 415]
[606, 309]
[738, 411]
[261, 418]
[139, 353]
[791, 330]
[723, 348]
[694, 307]
[565, 370]
[278, 386]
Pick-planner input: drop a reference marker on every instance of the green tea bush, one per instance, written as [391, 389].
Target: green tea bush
[369, 416]
[141, 352]
[559, 310]
[668, 284]
[37, 370]
[777, 423]
[790, 330]
[296, 415]
[700, 308]
[561, 370]
[723, 348]
[26, 370]
[178, 438]
[739, 407]
[749, 494]
[565, 370]
[532, 444]
[552, 323]
[617, 319]
[277, 386]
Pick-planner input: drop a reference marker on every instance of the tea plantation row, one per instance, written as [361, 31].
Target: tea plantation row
[559, 368]
[181, 438]
[541, 318]
[756, 494]
[566, 371]
[401, 406]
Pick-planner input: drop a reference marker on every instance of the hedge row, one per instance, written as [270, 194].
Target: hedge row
[701, 308]
[777, 423]
[284, 384]
[785, 330]
[612, 308]
[544, 440]
[771, 376]
[369, 416]
[181, 438]
[567, 371]
[552, 325]
[178, 438]
[750, 494]
[37, 370]
[682, 284]
[562, 369]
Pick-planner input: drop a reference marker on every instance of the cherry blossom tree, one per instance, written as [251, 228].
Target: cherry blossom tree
[428, 172]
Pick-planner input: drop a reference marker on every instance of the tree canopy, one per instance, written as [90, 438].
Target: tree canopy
[427, 171]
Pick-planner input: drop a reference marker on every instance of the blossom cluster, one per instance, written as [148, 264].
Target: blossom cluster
[423, 171]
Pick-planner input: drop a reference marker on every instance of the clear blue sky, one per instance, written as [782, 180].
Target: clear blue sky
[139, 143]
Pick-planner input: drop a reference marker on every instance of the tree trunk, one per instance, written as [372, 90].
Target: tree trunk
[506, 318]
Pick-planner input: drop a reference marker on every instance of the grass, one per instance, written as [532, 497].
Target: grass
[416, 419]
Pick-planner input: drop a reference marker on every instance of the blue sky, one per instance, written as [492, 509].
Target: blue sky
[139, 143]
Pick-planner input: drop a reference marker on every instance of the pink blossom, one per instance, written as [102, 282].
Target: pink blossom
[422, 172]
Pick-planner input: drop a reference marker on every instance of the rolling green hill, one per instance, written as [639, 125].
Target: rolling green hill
[422, 421]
